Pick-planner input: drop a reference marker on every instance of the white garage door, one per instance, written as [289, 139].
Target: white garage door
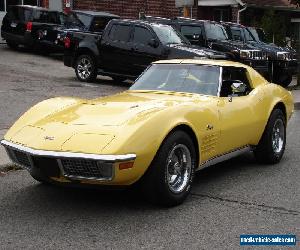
[55, 5]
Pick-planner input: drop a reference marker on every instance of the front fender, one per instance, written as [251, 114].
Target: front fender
[40, 111]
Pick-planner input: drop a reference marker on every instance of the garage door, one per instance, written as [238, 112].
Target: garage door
[55, 5]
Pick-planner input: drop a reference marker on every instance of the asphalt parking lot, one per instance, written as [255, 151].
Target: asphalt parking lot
[229, 199]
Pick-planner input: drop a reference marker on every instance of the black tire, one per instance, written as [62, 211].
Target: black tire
[155, 183]
[85, 68]
[40, 178]
[283, 79]
[265, 151]
[118, 79]
[12, 45]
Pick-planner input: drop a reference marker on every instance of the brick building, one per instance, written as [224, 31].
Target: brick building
[219, 10]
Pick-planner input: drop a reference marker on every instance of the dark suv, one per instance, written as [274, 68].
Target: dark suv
[282, 61]
[213, 35]
[26, 25]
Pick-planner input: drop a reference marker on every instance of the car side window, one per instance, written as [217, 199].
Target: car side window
[231, 75]
[237, 34]
[120, 32]
[191, 31]
[142, 35]
[99, 23]
[40, 16]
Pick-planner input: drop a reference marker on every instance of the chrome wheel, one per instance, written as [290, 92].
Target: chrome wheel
[84, 68]
[278, 135]
[179, 168]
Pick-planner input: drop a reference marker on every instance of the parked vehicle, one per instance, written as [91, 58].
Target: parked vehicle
[212, 35]
[126, 49]
[282, 61]
[87, 21]
[207, 111]
[28, 25]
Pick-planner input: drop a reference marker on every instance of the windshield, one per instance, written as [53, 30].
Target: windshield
[253, 33]
[167, 35]
[215, 31]
[190, 78]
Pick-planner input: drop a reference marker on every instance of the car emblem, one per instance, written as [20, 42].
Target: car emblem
[50, 138]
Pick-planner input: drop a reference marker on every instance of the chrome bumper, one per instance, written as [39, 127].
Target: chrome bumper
[74, 166]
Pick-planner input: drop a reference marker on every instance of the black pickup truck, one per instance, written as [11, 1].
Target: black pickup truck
[126, 49]
[27, 25]
[213, 35]
[282, 61]
[86, 21]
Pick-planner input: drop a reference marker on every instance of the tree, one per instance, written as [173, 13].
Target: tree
[274, 26]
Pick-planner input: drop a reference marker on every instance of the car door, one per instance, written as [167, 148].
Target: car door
[115, 50]
[239, 119]
[142, 52]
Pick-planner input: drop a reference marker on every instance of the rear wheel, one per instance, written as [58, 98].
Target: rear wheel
[118, 79]
[12, 45]
[85, 68]
[168, 180]
[272, 144]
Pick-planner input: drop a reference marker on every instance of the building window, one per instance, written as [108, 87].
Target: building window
[2, 6]
[221, 15]
[30, 2]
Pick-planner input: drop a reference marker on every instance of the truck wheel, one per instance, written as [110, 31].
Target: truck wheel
[272, 143]
[168, 180]
[284, 79]
[12, 45]
[85, 68]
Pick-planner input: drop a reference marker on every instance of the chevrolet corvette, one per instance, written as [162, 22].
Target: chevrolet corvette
[177, 118]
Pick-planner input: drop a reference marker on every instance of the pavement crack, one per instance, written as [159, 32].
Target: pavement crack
[263, 207]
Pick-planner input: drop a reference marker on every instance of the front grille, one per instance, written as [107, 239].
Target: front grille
[258, 55]
[71, 168]
[83, 169]
[19, 158]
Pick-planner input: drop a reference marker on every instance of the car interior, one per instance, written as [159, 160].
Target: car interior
[230, 76]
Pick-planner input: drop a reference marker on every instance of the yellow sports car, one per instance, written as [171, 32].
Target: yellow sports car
[178, 117]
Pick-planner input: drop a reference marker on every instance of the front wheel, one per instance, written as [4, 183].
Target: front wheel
[12, 45]
[272, 144]
[85, 68]
[168, 180]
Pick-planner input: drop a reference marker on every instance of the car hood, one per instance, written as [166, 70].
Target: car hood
[271, 48]
[232, 45]
[196, 51]
[100, 120]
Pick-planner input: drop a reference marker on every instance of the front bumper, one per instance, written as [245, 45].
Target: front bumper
[262, 66]
[290, 67]
[66, 165]
[25, 39]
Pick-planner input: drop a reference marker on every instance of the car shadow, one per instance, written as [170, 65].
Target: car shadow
[83, 198]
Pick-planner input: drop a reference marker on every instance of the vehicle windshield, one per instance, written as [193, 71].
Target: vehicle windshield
[215, 31]
[258, 34]
[254, 33]
[167, 35]
[249, 36]
[77, 19]
[189, 78]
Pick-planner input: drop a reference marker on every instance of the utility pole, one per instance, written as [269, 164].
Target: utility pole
[298, 53]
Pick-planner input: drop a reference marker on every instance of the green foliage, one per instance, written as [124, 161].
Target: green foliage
[296, 2]
[275, 27]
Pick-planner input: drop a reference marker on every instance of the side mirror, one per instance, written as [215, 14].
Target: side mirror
[153, 43]
[238, 87]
